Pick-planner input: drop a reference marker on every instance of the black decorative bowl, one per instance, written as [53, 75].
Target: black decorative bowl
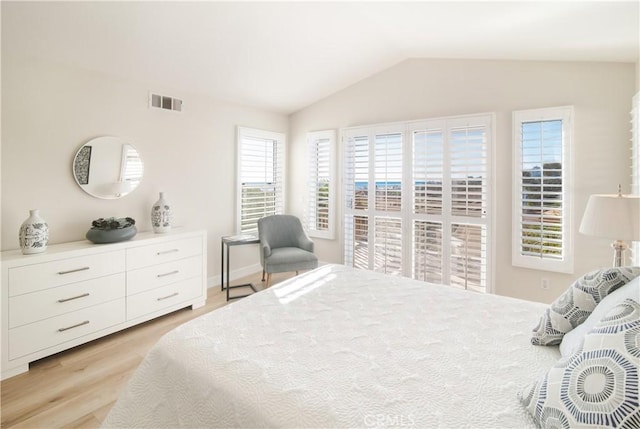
[103, 236]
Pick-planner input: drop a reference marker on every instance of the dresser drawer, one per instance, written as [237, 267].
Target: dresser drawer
[31, 278]
[66, 327]
[163, 297]
[31, 307]
[153, 254]
[155, 276]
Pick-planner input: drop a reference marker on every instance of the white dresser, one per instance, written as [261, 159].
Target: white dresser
[77, 292]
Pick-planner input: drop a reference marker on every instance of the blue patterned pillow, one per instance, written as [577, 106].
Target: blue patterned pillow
[576, 304]
[598, 385]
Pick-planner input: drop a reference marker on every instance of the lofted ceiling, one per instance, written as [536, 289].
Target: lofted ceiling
[283, 56]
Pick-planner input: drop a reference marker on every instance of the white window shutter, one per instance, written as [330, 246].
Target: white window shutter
[260, 177]
[427, 251]
[319, 213]
[635, 166]
[541, 212]
[451, 201]
[356, 203]
[431, 182]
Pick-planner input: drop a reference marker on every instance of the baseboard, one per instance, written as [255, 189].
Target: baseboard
[235, 274]
[241, 272]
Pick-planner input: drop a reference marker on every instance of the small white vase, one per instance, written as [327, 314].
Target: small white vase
[34, 234]
[161, 215]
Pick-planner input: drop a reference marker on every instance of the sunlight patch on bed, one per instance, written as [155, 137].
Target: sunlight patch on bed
[292, 290]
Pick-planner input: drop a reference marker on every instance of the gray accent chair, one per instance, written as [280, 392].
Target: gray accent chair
[284, 246]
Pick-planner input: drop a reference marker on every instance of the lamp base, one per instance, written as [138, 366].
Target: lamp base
[619, 247]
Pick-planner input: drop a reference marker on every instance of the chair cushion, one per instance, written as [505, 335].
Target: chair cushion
[286, 259]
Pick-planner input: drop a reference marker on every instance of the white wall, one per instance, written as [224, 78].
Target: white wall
[418, 89]
[50, 110]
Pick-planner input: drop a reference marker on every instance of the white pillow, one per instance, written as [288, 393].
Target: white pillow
[572, 340]
[598, 386]
[573, 307]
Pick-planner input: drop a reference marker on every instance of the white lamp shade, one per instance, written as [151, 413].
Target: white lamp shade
[612, 216]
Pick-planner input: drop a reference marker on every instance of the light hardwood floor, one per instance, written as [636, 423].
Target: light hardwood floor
[77, 388]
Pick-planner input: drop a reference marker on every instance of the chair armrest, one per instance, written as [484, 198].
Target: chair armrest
[266, 250]
[305, 243]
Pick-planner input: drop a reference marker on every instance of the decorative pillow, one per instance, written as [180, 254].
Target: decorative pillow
[574, 306]
[598, 386]
[572, 341]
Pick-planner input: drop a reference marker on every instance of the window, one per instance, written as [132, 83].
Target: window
[542, 180]
[417, 199]
[635, 166]
[321, 184]
[260, 177]
[373, 161]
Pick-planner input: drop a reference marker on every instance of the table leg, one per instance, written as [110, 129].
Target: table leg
[226, 278]
[222, 266]
[228, 272]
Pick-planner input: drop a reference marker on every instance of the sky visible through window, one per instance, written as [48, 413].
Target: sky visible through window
[541, 144]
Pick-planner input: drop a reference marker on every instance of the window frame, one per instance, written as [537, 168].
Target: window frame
[520, 117]
[313, 137]
[405, 214]
[280, 200]
[451, 159]
[635, 165]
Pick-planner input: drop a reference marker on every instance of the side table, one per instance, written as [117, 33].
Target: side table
[228, 242]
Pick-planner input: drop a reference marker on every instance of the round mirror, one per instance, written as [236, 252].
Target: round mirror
[108, 167]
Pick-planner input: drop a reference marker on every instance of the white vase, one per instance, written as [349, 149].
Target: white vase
[34, 234]
[161, 215]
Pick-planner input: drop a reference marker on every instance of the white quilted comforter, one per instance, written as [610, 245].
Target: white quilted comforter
[338, 347]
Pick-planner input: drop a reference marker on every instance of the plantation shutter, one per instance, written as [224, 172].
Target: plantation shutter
[387, 180]
[451, 201]
[356, 183]
[373, 222]
[541, 215]
[635, 146]
[261, 177]
[427, 251]
[321, 186]
[635, 165]
[469, 178]
[428, 179]
[429, 216]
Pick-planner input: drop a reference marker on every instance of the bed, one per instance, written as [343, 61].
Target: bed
[340, 347]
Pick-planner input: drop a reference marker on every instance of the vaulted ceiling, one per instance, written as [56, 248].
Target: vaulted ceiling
[284, 56]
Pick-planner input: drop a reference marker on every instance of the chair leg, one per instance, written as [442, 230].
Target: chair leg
[296, 272]
[263, 274]
[268, 280]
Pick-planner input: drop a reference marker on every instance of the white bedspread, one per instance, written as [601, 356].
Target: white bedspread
[338, 347]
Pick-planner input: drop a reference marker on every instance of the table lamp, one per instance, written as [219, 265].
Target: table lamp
[613, 216]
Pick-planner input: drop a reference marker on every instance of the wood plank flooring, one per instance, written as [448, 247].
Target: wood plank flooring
[77, 388]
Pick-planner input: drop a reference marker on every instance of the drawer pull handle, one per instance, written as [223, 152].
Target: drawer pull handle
[73, 271]
[168, 274]
[73, 297]
[164, 252]
[168, 296]
[86, 322]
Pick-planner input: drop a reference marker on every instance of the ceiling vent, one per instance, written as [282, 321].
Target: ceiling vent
[164, 102]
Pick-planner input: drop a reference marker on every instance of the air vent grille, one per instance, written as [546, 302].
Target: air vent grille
[164, 102]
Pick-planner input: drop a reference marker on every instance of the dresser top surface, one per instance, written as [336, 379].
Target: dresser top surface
[85, 246]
